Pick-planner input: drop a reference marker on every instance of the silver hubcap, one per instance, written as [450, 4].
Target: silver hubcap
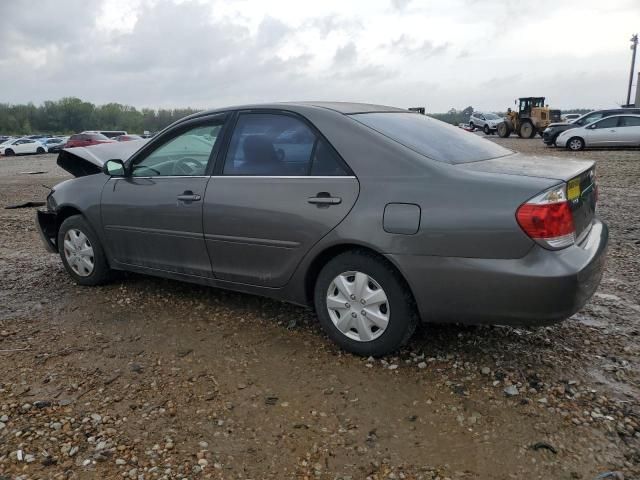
[358, 306]
[575, 144]
[78, 252]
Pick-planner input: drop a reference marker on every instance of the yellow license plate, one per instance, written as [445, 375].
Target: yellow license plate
[573, 191]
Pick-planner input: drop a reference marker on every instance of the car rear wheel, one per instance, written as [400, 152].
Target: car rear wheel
[575, 144]
[9, 153]
[40, 150]
[364, 305]
[81, 252]
[486, 130]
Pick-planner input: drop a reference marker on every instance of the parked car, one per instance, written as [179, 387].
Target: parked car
[487, 122]
[108, 133]
[86, 139]
[570, 117]
[614, 131]
[374, 215]
[127, 138]
[550, 134]
[61, 142]
[21, 146]
[50, 143]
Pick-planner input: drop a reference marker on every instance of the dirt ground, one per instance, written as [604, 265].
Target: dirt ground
[148, 378]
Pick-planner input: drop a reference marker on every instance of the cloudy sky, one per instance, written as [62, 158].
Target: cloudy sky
[207, 53]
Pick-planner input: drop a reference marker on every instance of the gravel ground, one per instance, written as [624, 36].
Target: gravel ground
[148, 378]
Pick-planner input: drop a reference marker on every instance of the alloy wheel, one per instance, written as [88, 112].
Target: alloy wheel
[78, 252]
[575, 144]
[358, 306]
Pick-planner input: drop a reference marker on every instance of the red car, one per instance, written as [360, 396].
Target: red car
[86, 139]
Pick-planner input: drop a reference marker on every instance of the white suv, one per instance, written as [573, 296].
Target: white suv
[487, 122]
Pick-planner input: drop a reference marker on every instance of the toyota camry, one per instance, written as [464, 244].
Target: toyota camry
[376, 217]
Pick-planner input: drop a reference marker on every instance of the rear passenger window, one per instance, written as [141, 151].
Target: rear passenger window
[326, 161]
[630, 121]
[267, 144]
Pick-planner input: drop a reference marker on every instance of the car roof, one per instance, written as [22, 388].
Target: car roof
[621, 115]
[346, 108]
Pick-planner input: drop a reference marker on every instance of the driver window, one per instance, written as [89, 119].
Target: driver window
[185, 155]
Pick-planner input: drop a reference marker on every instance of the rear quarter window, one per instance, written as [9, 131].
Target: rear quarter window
[432, 138]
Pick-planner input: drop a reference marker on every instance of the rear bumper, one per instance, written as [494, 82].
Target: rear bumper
[541, 288]
[47, 223]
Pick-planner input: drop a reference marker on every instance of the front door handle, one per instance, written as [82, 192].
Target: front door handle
[324, 199]
[189, 196]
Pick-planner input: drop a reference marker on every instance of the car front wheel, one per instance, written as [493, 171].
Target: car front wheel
[364, 305]
[81, 252]
[486, 130]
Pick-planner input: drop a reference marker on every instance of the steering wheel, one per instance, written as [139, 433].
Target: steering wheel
[186, 166]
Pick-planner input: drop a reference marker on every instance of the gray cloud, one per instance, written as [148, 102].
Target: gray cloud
[333, 23]
[400, 4]
[346, 55]
[408, 46]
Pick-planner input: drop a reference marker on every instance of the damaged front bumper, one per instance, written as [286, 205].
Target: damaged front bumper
[47, 222]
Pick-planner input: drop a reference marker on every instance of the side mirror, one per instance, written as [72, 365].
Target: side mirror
[114, 168]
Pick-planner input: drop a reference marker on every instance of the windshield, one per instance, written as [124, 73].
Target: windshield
[432, 138]
[491, 116]
[588, 118]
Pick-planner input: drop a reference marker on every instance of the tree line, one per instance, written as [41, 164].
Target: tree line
[72, 115]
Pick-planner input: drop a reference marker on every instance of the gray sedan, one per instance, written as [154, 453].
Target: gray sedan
[375, 216]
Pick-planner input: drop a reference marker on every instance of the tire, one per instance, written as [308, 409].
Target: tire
[575, 144]
[503, 130]
[527, 130]
[361, 335]
[9, 153]
[40, 150]
[486, 130]
[472, 126]
[100, 272]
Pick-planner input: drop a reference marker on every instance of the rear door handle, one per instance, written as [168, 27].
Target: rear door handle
[324, 199]
[189, 196]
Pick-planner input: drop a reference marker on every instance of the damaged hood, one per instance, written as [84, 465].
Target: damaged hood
[81, 161]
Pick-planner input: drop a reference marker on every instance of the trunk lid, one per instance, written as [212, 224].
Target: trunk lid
[578, 175]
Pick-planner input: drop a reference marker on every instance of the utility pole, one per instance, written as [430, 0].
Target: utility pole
[634, 46]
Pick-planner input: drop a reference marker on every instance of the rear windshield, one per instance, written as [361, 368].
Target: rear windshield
[432, 138]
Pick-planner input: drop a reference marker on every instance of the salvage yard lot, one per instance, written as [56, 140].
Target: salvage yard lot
[157, 378]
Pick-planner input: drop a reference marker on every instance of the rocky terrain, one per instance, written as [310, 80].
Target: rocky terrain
[153, 379]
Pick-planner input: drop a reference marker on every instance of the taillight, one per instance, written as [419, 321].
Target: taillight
[547, 219]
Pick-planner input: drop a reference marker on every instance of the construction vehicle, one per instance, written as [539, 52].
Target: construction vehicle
[532, 117]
